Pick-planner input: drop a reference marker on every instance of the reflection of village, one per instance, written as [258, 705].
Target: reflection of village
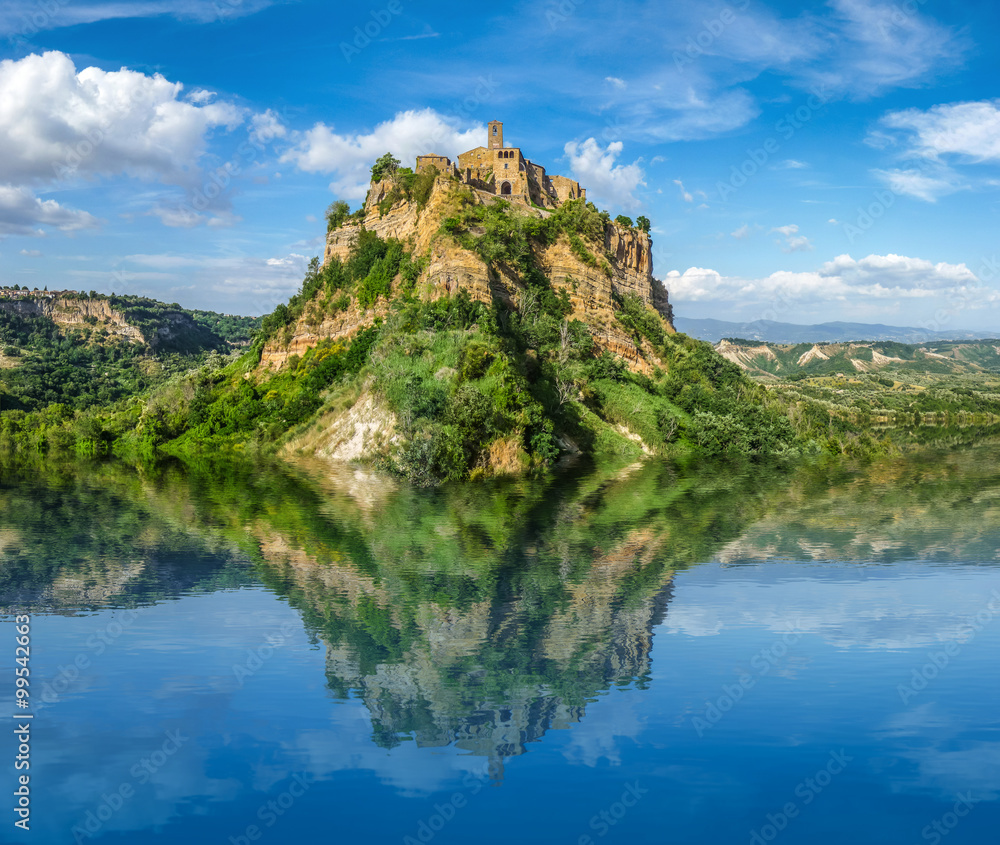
[514, 639]
[492, 676]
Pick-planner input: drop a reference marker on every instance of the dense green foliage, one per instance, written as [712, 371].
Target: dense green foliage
[87, 366]
[477, 388]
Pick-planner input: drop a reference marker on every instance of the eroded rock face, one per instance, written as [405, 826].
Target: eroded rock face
[74, 312]
[626, 267]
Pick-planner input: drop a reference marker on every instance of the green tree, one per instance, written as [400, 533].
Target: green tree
[643, 223]
[622, 220]
[336, 214]
[385, 168]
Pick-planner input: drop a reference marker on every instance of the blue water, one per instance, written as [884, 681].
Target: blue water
[823, 669]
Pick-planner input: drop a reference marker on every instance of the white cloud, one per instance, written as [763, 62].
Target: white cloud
[844, 280]
[266, 127]
[742, 232]
[687, 197]
[607, 182]
[794, 242]
[31, 253]
[921, 184]
[793, 164]
[237, 284]
[871, 47]
[60, 126]
[970, 130]
[21, 213]
[55, 122]
[940, 140]
[25, 18]
[349, 157]
[620, 84]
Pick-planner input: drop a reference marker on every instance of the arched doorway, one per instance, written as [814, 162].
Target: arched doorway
[505, 189]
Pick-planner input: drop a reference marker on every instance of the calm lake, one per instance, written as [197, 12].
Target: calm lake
[648, 655]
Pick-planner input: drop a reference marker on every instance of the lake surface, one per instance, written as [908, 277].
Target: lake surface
[641, 656]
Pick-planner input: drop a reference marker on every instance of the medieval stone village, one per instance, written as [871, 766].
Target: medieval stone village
[506, 172]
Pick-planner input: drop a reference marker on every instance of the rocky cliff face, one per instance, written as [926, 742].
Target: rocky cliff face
[74, 312]
[625, 267]
[65, 311]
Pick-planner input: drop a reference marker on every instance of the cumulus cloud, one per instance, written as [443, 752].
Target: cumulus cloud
[865, 286]
[60, 126]
[742, 232]
[348, 157]
[267, 126]
[793, 241]
[55, 121]
[607, 182]
[22, 213]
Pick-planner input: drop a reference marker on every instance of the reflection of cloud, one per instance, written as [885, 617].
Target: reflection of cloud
[598, 736]
[883, 612]
[347, 746]
[946, 762]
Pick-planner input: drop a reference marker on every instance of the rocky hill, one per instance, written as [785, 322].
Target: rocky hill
[450, 334]
[78, 350]
[619, 264]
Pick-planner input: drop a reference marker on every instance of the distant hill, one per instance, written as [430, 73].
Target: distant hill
[824, 359]
[79, 350]
[770, 331]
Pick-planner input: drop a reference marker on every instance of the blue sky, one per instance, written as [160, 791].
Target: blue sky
[800, 162]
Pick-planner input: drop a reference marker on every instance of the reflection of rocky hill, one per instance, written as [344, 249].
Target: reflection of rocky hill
[71, 545]
[477, 617]
[518, 645]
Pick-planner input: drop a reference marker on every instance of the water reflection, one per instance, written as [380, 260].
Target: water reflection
[478, 617]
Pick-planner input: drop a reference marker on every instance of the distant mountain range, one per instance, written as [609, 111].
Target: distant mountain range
[769, 331]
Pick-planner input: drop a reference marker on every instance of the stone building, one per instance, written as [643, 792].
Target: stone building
[506, 172]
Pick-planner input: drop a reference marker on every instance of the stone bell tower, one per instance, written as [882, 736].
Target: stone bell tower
[495, 135]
